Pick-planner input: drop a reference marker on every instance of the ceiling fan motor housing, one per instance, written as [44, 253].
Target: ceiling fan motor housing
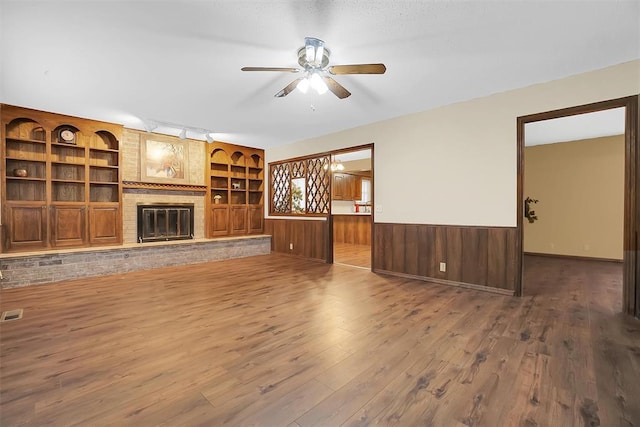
[302, 59]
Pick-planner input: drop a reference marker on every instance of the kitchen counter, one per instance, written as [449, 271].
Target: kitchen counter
[352, 214]
[354, 228]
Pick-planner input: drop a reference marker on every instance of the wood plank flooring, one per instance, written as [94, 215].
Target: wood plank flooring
[352, 254]
[279, 341]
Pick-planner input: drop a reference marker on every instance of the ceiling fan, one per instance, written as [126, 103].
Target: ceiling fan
[313, 58]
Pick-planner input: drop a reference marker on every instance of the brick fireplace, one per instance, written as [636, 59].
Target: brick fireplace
[164, 222]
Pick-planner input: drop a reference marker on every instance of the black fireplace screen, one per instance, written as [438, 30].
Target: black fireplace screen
[165, 222]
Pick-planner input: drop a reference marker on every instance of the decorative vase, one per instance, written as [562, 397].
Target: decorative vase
[22, 173]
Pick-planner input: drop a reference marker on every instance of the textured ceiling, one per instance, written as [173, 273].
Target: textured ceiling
[179, 61]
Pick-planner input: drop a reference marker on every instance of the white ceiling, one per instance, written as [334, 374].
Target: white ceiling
[573, 128]
[179, 61]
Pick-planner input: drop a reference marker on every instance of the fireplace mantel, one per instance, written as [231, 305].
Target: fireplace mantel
[170, 187]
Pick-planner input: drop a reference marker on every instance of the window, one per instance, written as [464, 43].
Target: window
[366, 191]
[300, 186]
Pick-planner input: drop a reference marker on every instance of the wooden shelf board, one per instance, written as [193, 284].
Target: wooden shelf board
[36, 141]
[104, 166]
[67, 181]
[24, 160]
[25, 178]
[56, 162]
[106, 150]
[61, 144]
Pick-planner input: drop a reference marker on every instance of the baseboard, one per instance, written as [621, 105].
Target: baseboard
[575, 257]
[507, 292]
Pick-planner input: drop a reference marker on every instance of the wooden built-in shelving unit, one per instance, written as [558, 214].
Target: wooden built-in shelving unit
[235, 199]
[57, 192]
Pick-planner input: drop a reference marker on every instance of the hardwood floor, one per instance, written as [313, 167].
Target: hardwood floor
[351, 254]
[278, 341]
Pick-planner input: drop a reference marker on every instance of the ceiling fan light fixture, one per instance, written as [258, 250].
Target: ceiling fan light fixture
[303, 85]
[318, 84]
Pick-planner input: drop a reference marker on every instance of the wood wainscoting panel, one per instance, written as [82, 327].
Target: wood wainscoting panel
[478, 256]
[300, 237]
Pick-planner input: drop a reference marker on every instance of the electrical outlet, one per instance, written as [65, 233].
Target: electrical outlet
[443, 267]
[290, 246]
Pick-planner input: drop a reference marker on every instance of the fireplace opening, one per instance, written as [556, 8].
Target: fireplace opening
[161, 222]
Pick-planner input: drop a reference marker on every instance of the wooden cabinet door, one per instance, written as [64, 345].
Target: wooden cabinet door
[104, 225]
[256, 219]
[238, 220]
[338, 186]
[357, 187]
[68, 225]
[348, 186]
[26, 226]
[219, 220]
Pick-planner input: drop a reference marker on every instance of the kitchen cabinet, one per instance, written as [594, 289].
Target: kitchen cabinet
[347, 186]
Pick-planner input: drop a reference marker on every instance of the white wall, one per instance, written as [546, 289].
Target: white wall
[457, 164]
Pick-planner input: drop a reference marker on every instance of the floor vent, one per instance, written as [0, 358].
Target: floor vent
[11, 315]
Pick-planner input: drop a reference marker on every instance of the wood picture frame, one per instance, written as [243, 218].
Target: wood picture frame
[164, 159]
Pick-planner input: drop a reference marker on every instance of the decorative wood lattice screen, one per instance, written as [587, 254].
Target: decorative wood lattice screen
[318, 178]
[280, 177]
[315, 171]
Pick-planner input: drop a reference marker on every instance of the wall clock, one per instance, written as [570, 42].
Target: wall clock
[67, 135]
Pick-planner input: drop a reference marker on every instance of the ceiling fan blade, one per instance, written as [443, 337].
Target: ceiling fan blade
[283, 69]
[358, 69]
[288, 89]
[335, 87]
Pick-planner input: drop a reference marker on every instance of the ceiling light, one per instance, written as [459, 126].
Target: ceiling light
[149, 126]
[337, 165]
[318, 84]
[303, 85]
[182, 130]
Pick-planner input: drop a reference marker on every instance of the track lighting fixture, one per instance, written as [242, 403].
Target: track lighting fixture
[171, 129]
[150, 126]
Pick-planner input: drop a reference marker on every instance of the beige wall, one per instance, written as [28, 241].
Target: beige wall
[580, 188]
[457, 164]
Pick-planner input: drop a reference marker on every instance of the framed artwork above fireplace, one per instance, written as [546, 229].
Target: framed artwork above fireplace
[164, 159]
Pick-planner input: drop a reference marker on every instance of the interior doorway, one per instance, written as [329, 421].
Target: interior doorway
[630, 293]
[351, 206]
[574, 204]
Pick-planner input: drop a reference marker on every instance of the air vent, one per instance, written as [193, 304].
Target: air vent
[11, 315]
